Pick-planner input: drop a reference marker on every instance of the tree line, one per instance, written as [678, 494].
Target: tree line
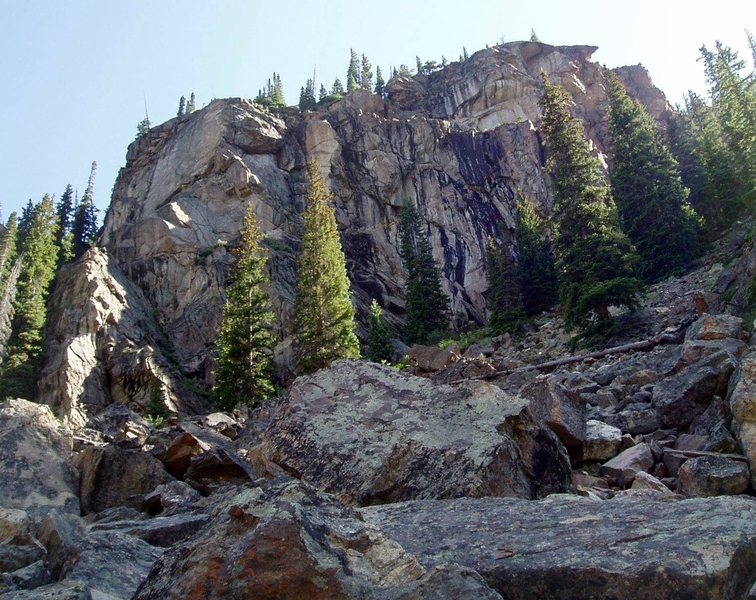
[33, 247]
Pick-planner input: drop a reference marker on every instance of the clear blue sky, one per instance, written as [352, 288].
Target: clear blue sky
[75, 72]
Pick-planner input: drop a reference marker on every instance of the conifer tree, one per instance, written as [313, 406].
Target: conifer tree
[182, 107]
[84, 228]
[648, 190]
[419, 64]
[536, 269]
[307, 99]
[38, 261]
[190, 105]
[353, 71]
[426, 306]
[533, 36]
[143, 128]
[64, 210]
[380, 84]
[245, 343]
[325, 326]
[366, 74]
[596, 261]
[465, 55]
[379, 347]
[504, 301]
[322, 93]
[24, 224]
[8, 248]
[337, 89]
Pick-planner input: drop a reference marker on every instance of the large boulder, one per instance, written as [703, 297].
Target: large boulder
[35, 460]
[625, 465]
[113, 476]
[372, 434]
[743, 406]
[713, 476]
[562, 412]
[570, 547]
[289, 541]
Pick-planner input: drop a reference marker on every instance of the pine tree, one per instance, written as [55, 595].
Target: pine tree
[24, 224]
[465, 55]
[596, 261]
[353, 71]
[84, 227]
[307, 99]
[380, 84]
[366, 74]
[8, 248]
[143, 128]
[536, 269]
[322, 93]
[426, 306]
[190, 106]
[379, 341]
[272, 96]
[325, 326]
[38, 261]
[337, 89]
[245, 342]
[533, 36]
[504, 300]
[419, 64]
[648, 190]
[64, 210]
[182, 107]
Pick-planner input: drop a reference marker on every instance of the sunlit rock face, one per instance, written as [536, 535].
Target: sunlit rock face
[461, 143]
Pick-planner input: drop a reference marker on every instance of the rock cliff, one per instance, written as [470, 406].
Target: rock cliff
[461, 143]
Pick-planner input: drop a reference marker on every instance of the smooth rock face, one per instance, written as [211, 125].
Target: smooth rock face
[743, 406]
[554, 407]
[713, 476]
[36, 473]
[289, 541]
[459, 143]
[372, 434]
[569, 547]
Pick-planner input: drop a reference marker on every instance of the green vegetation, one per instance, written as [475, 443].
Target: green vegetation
[84, 227]
[379, 347]
[536, 269]
[64, 240]
[244, 347]
[156, 410]
[596, 263]
[325, 326]
[427, 308]
[648, 190]
[504, 298]
[271, 96]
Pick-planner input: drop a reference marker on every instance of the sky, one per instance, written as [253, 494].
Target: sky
[76, 73]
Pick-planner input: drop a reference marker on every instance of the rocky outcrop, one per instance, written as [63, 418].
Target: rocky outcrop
[460, 143]
[568, 547]
[372, 434]
[35, 460]
[743, 406]
[289, 541]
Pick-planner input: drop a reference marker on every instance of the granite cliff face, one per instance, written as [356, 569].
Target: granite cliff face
[461, 143]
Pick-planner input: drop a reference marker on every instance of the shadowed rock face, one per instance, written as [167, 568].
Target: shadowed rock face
[570, 548]
[459, 143]
[372, 434]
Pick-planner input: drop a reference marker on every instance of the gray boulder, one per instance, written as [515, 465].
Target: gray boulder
[569, 547]
[560, 411]
[625, 465]
[36, 472]
[372, 434]
[602, 441]
[713, 476]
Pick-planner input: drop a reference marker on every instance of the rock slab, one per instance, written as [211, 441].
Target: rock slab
[569, 547]
[373, 434]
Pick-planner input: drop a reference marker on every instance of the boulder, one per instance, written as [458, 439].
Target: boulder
[30, 577]
[66, 590]
[570, 547]
[646, 481]
[35, 460]
[160, 531]
[289, 541]
[713, 476]
[555, 408]
[716, 327]
[180, 453]
[62, 536]
[680, 398]
[170, 498]
[118, 423]
[602, 441]
[113, 476]
[625, 465]
[371, 433]
[428, 359]
[215, 468]
[743, 406]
